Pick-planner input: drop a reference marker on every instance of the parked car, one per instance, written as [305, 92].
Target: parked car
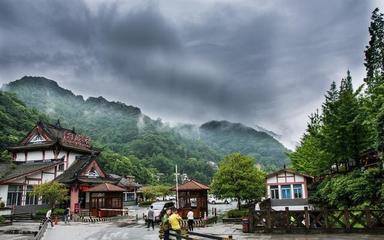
[215, 200]
[159, 209]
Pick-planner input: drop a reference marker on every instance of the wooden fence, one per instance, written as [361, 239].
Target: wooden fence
[42, 228]
[325, 220]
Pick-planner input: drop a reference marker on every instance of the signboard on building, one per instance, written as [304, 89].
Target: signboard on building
[76, 139]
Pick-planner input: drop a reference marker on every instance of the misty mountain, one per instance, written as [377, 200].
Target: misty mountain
[226, 137]
[128, 139]
[127, 131]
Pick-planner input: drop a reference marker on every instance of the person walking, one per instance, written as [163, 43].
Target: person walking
[165, 223]
[66, 215]
[174, 220]
[151, 218]
[48, 216]
[190, 220]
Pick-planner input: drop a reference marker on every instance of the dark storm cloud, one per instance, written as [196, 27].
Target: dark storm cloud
[266, 62]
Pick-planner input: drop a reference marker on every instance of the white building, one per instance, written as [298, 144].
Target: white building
[288, 188]
[42, 156]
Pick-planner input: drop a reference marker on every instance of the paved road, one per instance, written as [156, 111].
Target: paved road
[100, 231]
[111, 231]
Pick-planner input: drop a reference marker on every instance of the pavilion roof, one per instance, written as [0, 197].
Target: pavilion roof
[106, 187]
[191, 185]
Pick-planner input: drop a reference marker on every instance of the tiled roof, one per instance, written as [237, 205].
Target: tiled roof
[74, 170]
[95, 180]
[55, 134]
[191, 185]
[106, 187]
[24, 169]
[72, 174]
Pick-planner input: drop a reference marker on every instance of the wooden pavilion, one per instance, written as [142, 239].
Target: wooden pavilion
[193, 195]
[106, 200]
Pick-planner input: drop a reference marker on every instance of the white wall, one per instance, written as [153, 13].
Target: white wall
[35, 175]
[4, 193]
[20, 157]
[47, 177]
[299, 178]
[72, 158]
[33, 182]
[49, 154]
[62, 154]
[35, 155]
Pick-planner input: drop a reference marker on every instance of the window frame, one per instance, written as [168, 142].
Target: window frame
[298, 189]
[284, 190]
[274, 191]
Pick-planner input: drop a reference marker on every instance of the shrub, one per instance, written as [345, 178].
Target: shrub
[2, 219]
[41, 211]
[235, 213]
[56, 211]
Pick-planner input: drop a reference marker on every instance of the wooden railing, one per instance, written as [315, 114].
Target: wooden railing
[195, 235]
[325, 220]
[42, 228]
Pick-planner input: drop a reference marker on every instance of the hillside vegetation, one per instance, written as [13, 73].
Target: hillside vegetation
[135, 144]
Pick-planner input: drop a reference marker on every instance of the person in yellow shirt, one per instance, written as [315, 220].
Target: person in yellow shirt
[174, 221]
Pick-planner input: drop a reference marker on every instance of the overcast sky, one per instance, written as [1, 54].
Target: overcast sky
[256, 62]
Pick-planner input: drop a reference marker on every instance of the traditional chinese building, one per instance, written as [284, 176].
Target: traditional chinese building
[51, 152]
[288, 188]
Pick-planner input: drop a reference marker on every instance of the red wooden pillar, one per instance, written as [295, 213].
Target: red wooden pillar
[74, 197]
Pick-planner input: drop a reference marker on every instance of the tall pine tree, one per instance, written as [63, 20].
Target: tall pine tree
[374, 53]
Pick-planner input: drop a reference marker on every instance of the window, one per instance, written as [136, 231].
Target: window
[14, 195]
[61, 168]
[297, 191]
[30, 198]
[193, 202]
[286, 192]
[274, 192]
[129, 196]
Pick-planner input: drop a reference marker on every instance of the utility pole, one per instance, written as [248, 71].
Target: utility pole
[177, 189]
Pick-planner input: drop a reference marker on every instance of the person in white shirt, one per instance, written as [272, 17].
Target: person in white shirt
[48, 216]
[190, 220]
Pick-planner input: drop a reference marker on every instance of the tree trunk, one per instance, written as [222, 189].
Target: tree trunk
[238, 203]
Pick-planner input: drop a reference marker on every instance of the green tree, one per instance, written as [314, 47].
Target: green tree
[163, 190]
[151, 192]
[309, 157]
[350, 131]
[374, 53]
[338, 135]
[239, 178]
[53, 192]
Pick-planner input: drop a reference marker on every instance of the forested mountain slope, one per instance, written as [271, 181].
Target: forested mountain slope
[134, 139]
